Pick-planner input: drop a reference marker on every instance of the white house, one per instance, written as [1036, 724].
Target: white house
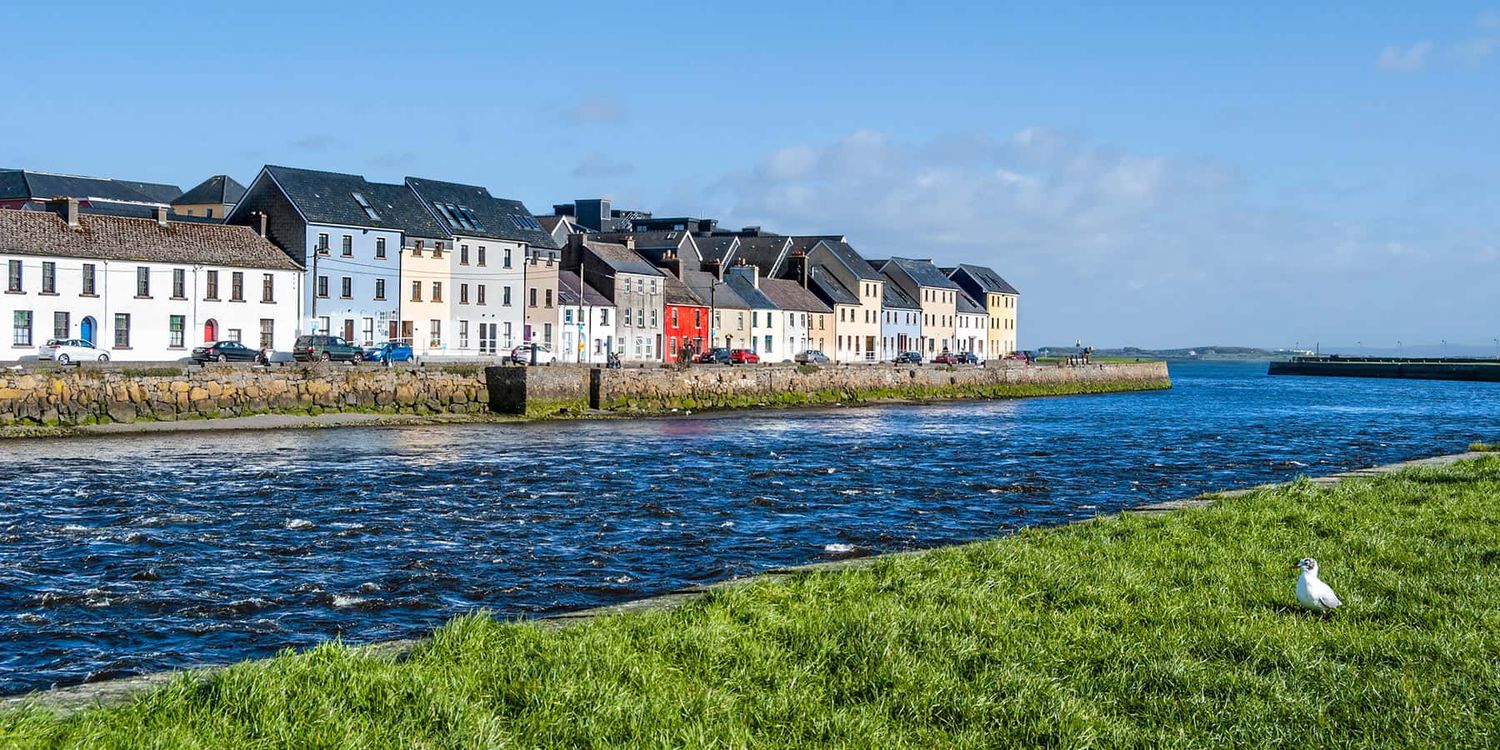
[588, 322]
[142, 289]
[801, 308]
[768, 322]
[493, 240]
[970, 332]
[900, 322]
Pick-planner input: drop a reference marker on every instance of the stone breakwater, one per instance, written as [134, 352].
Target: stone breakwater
[71, 397]
[544, 392]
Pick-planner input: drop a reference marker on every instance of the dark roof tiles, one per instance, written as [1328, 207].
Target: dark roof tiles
[217, 189]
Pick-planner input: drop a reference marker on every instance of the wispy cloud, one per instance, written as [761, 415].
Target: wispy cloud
[1398, 59]
[314, 142]
[1485, 40]
[596, 111]
[600, 165]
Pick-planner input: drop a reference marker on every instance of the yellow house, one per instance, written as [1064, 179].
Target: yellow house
[426, 273]
[1000, 301]
[853, 289]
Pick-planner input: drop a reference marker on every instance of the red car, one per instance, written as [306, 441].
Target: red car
[947, 359]
[743, 357]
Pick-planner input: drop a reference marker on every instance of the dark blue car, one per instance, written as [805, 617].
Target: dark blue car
[390, 351]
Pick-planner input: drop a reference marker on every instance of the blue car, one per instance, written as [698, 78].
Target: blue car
[390, 351]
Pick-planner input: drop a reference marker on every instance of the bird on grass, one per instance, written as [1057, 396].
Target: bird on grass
[1312, 593]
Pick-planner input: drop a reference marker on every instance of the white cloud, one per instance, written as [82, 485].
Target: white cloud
[1404, 59]
[1124, 247]
[1485, 41]
[596, 110]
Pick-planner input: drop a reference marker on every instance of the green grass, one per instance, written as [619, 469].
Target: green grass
[1484, 447]
[1170, 631]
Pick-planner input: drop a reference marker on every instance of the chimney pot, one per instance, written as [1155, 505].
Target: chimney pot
[161, 215]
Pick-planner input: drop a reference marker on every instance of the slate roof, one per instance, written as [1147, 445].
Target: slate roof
[747, 292]
[805, 243]
[767, 253]
[829, 289]
[45, 233]
[722, 297]
[328, 198]
[621, 259]
[132, 210]
[499, 218]
[567, 291]
[674, 292]
[217, 189]
[896, 299]
[966, 304]
[715, 248]
[789, 295]
[849, 257]
[986, 278]
[661, 239]
[21, 183]
[923, 272]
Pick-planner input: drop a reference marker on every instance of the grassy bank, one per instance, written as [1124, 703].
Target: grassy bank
[1171, 630]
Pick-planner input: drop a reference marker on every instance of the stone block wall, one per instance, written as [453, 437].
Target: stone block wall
[77, 396]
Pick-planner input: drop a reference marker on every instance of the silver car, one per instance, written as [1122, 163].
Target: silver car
[64, 351]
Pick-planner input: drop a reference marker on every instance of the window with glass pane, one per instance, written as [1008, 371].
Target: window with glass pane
[267, 288]
[237, 286]
[211, 285]
[267, 333]
[22, 330]
[62, 325]
[380, 289]
[88, 279]
[437, 291]
[479, 294]
[347, 249]
[49, 277]
[13, 278]
[322, 286]
[122, 330]
[380, 247]
[346, 287]
[175, 325]
[142, 281]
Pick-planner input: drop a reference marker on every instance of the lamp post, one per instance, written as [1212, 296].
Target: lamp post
[1445, 347]
[1497, 347]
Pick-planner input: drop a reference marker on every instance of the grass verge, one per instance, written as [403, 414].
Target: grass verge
[1178, 630]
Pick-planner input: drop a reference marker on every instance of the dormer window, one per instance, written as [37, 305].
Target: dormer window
[365, 204]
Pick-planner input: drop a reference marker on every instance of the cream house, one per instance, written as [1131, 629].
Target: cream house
[938, 296]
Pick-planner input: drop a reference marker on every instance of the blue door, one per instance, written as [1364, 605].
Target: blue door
[86, 331]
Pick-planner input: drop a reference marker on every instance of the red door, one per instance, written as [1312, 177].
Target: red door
[210, 331]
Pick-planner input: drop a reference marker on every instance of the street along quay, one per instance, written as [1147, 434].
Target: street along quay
[1484, 370]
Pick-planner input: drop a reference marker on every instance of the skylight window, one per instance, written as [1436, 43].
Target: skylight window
[365, 204]
[469, 215]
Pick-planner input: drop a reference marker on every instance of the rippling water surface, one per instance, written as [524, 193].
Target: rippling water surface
[128, 555]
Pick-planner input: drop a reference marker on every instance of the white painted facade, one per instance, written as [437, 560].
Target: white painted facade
[488, 280]
[970, 334]
[353, 288]
[183, 306]
[594, 325]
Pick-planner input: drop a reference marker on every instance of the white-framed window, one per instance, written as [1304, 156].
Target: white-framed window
[21, 334]
[463, 330]
[13, 277]
[122, 330]
[367, 330]
[176, 326]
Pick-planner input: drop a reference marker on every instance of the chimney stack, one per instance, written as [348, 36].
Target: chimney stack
[799, 267]
[161, 215]
[260, 222]
[715, 267]
[630, 242]
[67, 208]
[671, 264]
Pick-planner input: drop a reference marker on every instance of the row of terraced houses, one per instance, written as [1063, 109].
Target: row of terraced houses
[146, 271]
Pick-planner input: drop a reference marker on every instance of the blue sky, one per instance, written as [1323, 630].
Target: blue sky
[1158, 174]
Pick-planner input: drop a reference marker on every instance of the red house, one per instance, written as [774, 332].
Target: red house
[686, 324]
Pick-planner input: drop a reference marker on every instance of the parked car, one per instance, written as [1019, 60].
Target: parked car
[969, 358]
[743, 357]
[389, 351]
[521, 355]
[1024, 356]
[811, 357]
[227, 351]
[64, 351]
[946, 358]
[320, 348]
[909, 358]
[716, 356]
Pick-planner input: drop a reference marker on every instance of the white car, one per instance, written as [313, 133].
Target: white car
[65, 351]
[521, 355]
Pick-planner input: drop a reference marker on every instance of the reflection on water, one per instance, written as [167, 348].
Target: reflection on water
[119, 556]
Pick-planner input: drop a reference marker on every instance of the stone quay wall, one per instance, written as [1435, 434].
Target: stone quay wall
[546, 391]
[79, 396]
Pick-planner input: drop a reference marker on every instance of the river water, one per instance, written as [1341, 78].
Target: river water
[128, 555]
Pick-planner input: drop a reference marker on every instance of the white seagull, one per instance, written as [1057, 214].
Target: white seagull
[1312, 593]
